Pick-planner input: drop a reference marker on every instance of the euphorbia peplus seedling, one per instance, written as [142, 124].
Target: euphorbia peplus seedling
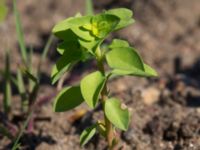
[82, 37]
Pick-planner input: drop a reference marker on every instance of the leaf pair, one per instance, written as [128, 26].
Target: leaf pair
[89, 90]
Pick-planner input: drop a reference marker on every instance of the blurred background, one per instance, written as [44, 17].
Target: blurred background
[165, 110]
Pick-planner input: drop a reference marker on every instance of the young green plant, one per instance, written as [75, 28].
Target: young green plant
[82, 38]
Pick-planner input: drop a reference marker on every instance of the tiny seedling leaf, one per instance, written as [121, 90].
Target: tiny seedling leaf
[103, 24]
[91, 87]
[87, 134]
[116, 114]
[68, 98]
[125, 16]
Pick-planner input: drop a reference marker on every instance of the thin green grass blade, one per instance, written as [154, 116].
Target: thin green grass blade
[19, 31]
[47, 46]
[22, 91]
[29, 70]
[17, 144]
[7, 90]
[14, 81]
[44, 54]
[89, 7]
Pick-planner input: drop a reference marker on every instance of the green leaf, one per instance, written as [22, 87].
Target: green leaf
[71, 28]
[20, 35]
[124, 58]
[126, 61]
[68, 46]
[68, 98]
[62, 25]
[70, 57]
[116, 114]
[87, 134]
[91, 45]
[148, 72]
[91, 87]
[82, 33]
[116, 43]
[80, 21]
[125, 16]
[60, 68]
[103, 24]
[66, 35]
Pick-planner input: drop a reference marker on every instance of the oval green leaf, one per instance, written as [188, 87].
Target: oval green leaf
[68, 98]
[91, 87]
[63, 64]
[124, 58]
[116, 114]
[71, 28]
[71, 22]
[87, 134]
[125, 16]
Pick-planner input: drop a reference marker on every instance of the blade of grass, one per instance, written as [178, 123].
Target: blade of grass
[44, 54]
[29, 70]
[14, 81]
[16, 144]
[33, 93]
[89, 7]
[7, 90]
[19, 31]
[22, 91]
[47, 46]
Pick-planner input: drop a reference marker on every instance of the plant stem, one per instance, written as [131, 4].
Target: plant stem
[104, 93]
